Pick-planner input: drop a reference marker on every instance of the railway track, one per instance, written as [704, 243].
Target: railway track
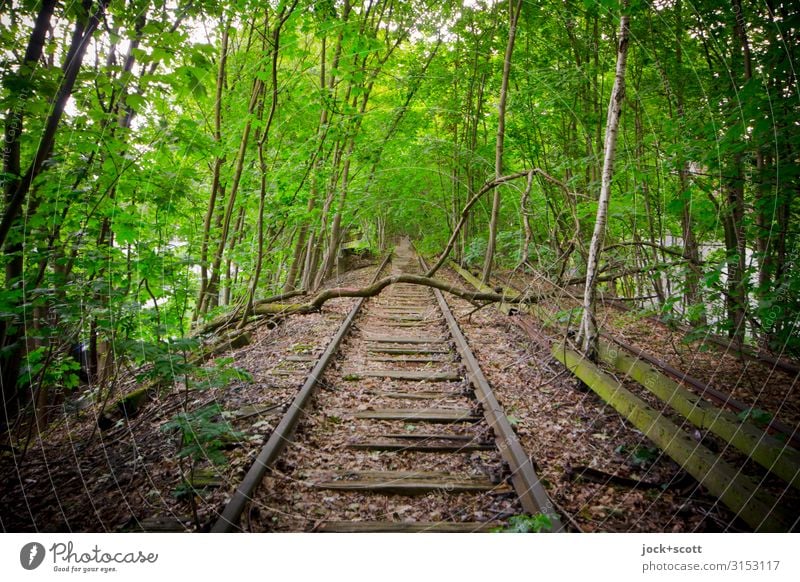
[405, 435]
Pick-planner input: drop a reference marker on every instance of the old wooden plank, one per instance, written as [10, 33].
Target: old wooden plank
[420, 446]
[380, 474]
[707, 391]
[200, 478]
[408, 483]
[441, 415]
[249, 410]
[422, 394]
[395, 339]
[739, 492]
[415, 436]
[403, 309]
[404, 325]
[412, 360]
[300, 358]
[413, 375]
[407, 351]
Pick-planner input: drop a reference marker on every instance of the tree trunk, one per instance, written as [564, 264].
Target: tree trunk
[658, 286]
[501, 133]
[9, 339]
[307, 230]
[354, 127]
[526, 222]
[72, 64]
[276, 39]
[735, 247]
[735, 238]
[104, 356]
[317, 239]
[258, 85]
[215, 173]
[297, 256]
[17, 190]
[587, 336]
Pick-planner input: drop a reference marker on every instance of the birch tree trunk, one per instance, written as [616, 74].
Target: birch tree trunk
[587, 336]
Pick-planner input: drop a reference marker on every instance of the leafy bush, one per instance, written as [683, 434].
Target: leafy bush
[203, 433]
[475, 252]
[527, 524]
[61, 370]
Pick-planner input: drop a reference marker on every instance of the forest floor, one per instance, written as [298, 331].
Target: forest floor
[602, 473]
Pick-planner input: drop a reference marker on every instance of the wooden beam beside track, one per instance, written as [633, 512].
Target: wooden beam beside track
[738, 491]
[769, 452]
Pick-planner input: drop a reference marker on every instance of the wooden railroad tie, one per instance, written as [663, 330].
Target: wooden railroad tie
[407, 351]
[411, 483]
[423, 446]
[421, 394]
[413, 375]
[301, 358]
[411, 360]
[435, 415]
[393, 339]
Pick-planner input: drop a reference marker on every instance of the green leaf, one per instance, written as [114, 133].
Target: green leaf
[527, 524]
[134, 101]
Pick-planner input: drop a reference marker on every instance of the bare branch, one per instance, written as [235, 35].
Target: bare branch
[662, 248]
[625, 273]
[316, 303]
[487, 187]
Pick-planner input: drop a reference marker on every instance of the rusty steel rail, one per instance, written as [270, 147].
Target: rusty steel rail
[228, 520]
[529, 489]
